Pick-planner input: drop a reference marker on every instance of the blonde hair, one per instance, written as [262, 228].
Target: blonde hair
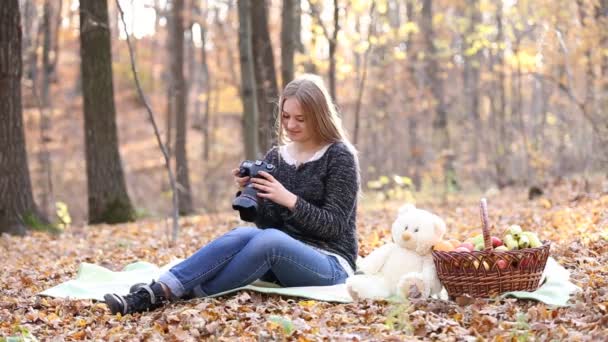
[320, 111]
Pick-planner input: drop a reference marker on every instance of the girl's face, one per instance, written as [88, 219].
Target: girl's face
[295, 123]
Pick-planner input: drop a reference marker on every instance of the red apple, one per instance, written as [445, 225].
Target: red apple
[502, 264]
[496, 241]
[525, 262]
[462, 249]
[469, 246]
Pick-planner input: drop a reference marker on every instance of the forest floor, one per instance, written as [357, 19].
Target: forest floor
[575, 222]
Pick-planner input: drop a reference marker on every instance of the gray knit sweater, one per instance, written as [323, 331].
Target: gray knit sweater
[324, 214]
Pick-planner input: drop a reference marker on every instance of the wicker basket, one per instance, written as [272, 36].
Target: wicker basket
[482, 274]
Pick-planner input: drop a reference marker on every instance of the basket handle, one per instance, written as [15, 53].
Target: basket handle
[487, 240]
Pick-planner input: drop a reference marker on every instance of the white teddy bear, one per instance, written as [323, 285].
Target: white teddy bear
[393, 268]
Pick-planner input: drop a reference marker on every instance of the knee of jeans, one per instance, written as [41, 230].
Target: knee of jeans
[269, 239]
[245, 231]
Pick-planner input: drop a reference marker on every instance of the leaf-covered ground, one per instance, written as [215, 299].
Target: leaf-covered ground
[576, 223]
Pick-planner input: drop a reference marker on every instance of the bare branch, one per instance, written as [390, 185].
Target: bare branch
[156, 132]
[315, 13]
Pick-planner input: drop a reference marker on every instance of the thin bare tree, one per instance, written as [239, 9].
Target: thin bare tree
[163, 149]
[332, 40]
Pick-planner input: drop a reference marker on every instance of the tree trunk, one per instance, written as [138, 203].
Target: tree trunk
[333, 44]
[248, 93]
[55, 44]
[517, 108]
[46, 49]
[603, 18]
[500, 160]
[44, 157]
[180, 94]
[298, 27]
[288, 39]
[603, 22]
[362, 65]
[441, 136]
[107, 193]
[207, 82]
[169, 80]
[32, 31]
[471, 77]
[265, 74]
[416, 148]
[28, 21]
[224, 34]
[16, 199]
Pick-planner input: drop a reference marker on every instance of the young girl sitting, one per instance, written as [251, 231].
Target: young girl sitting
[306, 224]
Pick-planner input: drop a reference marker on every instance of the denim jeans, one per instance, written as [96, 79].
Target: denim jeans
[246, 254]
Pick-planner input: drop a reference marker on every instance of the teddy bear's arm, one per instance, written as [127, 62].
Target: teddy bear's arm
[375, 260]
[429, 273]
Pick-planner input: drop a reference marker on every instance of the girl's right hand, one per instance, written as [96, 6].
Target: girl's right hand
[240, 181]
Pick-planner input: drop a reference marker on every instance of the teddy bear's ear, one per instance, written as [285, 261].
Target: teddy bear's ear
[406, 207]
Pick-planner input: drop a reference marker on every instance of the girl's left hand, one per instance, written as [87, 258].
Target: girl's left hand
[270, 188]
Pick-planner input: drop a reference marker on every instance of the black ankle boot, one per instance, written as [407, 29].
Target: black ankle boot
[142, 298]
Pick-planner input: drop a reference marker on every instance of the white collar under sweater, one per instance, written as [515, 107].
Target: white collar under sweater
[292, 161]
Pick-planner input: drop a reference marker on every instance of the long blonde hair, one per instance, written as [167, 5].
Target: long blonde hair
[320, 110]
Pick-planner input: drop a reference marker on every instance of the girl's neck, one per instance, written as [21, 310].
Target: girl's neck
[308, 146]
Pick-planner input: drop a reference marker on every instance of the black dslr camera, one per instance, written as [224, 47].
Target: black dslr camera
[246, 201]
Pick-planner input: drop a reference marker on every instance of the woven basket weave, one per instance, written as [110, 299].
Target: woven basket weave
[481, 274]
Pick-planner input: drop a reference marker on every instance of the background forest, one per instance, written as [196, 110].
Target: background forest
[439, 96]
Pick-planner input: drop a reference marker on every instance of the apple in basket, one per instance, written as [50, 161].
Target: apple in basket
[525, 262]
[501, 263]
[496, 241]
[468, 246]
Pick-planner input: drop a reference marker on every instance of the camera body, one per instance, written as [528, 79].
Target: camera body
[246, 201]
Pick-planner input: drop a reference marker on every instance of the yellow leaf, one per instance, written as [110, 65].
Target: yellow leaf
[407, 28]
[374, 239]
[307, 303]
[81, 323]
[400, 55]
[374, 184]
[545, 203]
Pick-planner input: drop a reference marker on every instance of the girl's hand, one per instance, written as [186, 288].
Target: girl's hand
[270, 188]
[240, 181]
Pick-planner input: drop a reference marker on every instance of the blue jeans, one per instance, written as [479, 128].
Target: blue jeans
[246, 254]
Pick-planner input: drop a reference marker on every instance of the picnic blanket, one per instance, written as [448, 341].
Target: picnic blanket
[93, 281]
